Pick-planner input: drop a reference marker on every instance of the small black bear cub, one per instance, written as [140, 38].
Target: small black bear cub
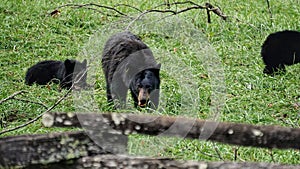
[58, 72]
[128, 63]
[280, 49]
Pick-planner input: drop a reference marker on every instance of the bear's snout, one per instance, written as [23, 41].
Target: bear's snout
[143, 97]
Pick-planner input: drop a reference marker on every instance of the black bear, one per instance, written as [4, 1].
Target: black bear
[58, 72]
[128, 63]
[280, 49]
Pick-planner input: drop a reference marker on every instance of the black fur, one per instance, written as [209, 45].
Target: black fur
[58, 72]
[280, 49]
[143, 84]
[128, 63]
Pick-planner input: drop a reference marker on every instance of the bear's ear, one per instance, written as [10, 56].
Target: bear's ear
[156, 71]
[158, 66]
[67, 62]
[69, 65]
[84, 62]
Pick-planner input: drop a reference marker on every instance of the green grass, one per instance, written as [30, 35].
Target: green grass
[28, 35]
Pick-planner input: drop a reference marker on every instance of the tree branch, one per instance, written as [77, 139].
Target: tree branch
[78, 150]
[12, 96]
[269, 8]
[39, 116]
[230, 133]
[167, 4]
[96, 5]
[216, 10]
[23, 150]
[29, 101]
[129, 6]
[110, 161]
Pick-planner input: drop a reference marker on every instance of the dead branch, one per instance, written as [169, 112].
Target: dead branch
[110, 161]
[217, 151]
[30, 101]
[175, 12]
[206, 154]
[216, 10]
[167, 4]
[230, 133]
[168, 10]
[87, 6]
[77, 150]
[269, 8]
[271, 154]
[12, 96]
[45, 148]
[208, 15]
[129, 6]
[39, 116]
[235, 149]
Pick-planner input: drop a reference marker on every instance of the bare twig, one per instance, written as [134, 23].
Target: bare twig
[129, 6]
[39, 116]
[96, 10]
[167, 4]
[176, 12]
[271, 154]
[216, 10]
[218, 152]
[176, 3]
[269, 8]
[164, 11]
[29, 101]
[209, 7]
[208, 15]
[236, 149]
[206, 154]
[96, 5]
[12, 96]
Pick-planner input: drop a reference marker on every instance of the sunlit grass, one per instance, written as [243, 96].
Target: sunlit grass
[28, 35]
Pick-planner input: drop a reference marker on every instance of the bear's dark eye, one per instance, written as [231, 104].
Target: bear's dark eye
[139, 85]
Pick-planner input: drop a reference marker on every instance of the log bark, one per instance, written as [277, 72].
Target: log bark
[124, 161]
[230, 133]
[18, 151]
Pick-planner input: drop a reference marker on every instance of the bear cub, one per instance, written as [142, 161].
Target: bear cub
[280, 49]
[128, 63]
[58, 72]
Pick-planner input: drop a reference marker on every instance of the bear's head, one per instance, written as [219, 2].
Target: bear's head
[75, 72]
[145, 84]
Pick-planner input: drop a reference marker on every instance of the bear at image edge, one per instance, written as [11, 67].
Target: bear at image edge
[280, 49]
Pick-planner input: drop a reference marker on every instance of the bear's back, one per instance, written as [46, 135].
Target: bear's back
[42, 72]
[281, 47]
[117, 48]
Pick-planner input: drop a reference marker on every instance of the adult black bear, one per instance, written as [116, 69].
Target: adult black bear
[128, 63]
[58, 72]
[280, 49]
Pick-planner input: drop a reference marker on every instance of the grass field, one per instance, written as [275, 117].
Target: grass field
[28, 34]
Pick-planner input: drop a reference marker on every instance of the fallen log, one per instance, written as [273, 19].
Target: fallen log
[18, 151]
[125, 161]
[230, 133]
